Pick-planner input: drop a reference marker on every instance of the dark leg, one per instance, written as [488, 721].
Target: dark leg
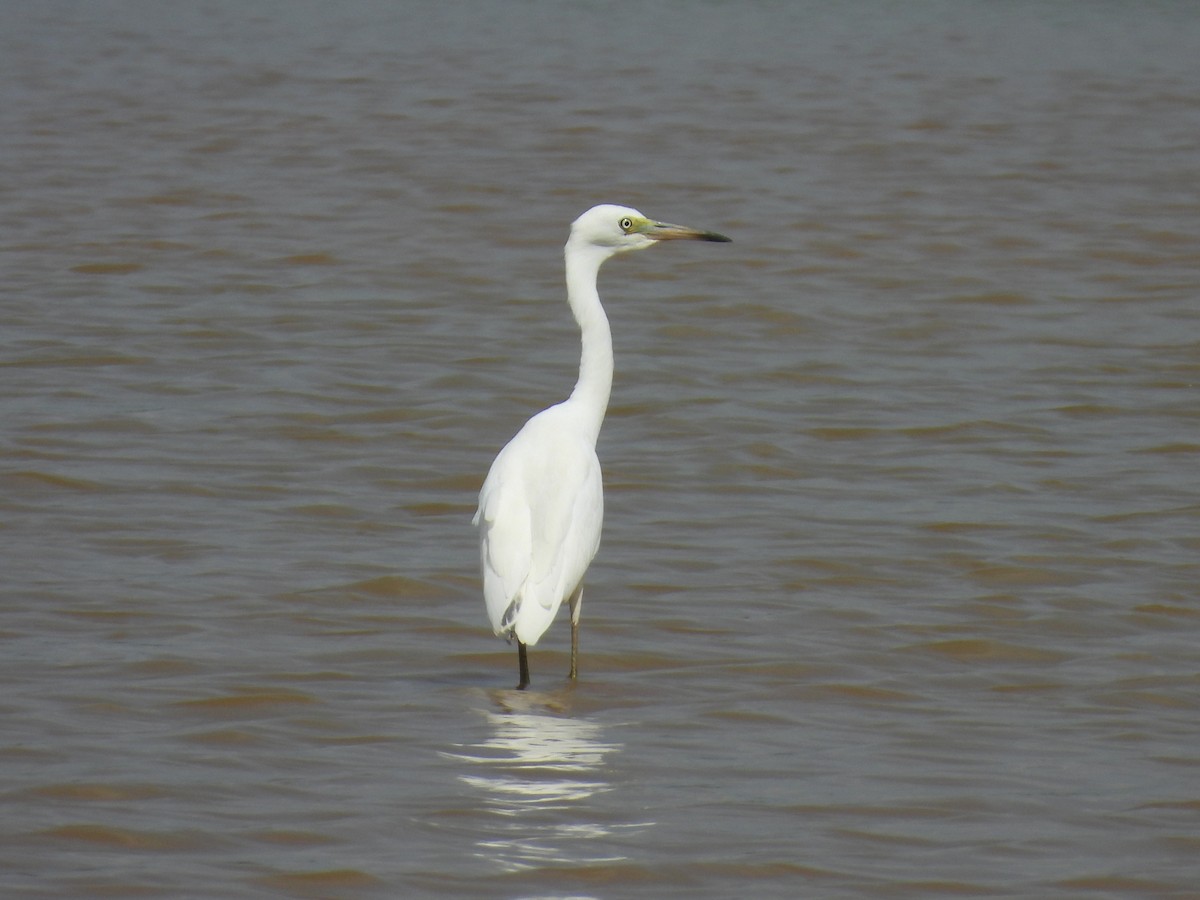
[576, 604]
[574, 673]
[523, 658]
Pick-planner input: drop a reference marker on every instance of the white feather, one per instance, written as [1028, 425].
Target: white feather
[540, 510]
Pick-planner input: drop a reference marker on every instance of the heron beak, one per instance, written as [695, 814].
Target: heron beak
[664, 231]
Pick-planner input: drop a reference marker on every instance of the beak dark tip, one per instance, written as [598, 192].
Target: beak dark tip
[720, 238]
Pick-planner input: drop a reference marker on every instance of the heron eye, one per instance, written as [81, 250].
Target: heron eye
[627, 225]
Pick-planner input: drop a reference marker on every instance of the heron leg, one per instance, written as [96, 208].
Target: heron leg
[576, 602]
[523, 659]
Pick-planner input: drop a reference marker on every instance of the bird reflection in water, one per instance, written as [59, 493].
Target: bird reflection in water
[536, 774]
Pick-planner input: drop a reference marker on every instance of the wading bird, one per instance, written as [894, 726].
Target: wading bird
[542, 504]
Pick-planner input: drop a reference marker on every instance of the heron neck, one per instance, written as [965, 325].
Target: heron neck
[592, 389]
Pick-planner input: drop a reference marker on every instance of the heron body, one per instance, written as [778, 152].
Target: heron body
[541, 507]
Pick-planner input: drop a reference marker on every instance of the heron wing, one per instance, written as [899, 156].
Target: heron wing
[540, 514]
[505, 541]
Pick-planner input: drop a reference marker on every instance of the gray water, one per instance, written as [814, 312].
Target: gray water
[898, 589]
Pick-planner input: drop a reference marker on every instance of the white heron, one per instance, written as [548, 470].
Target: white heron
[542, 504]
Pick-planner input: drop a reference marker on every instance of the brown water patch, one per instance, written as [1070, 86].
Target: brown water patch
[320, 883]
[109, 615]
[936, 888]
[225, 737]
[762, 870]
[31, 480]
[948, 810]
[875, 837]
[1150, 700]
[1004, 575]
[326, 511]
[311, 259]
[292, 838]
[165, 667]
[994, 298]
[129, 839]
[970, 650]
[116, 268]
[624, 875]
[439, 509]
[959, 527]
[845, 433]
[1171, 449]
[1030, 688]
[397, 586]
[1167, 609]
[859, 693]
[98, 792]
[743, 717]
[1120, 885]
[248, 702]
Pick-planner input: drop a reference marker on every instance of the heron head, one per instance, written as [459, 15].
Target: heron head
[620, 228]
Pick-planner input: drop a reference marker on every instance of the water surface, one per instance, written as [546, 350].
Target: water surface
[897, 594]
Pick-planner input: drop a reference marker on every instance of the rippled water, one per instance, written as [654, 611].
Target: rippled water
[898, 589]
